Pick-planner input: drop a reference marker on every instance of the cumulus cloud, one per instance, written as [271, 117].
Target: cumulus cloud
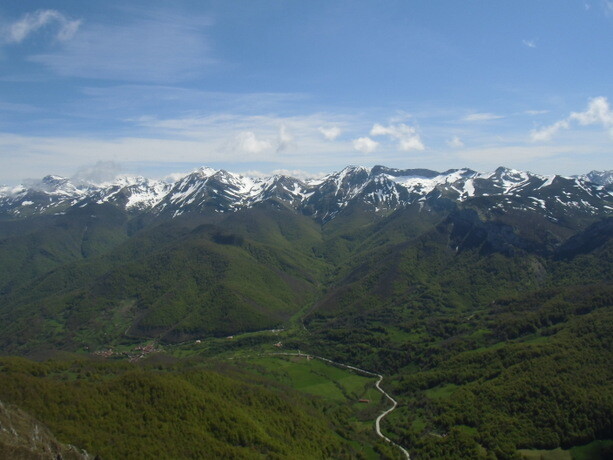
[330, 133]
[407, 136]
[247, 142]
[455, 142]
[482, 117]
[598, 112]
[32, 22]
[365, 145]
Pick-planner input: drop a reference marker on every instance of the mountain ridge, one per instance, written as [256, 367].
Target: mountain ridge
[380, 188]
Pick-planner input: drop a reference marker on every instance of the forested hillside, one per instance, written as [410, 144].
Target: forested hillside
[117, 410]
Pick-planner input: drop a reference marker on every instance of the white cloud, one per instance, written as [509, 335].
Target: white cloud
[529, 43]
[379, 130]
[294, 136]
[365, 145]
[407, 136]
[32, 22]
[298, 174]
[536, 112]
[30, 156]
[330, 133]
[228, 146]
[174, 177]
[102, 171]
[247, 142]
[598, 112]
[68, 30]
[411, 143]
[548, 132]
[285, 139]
[455, 142]
[482, 117]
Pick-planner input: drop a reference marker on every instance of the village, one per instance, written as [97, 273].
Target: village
[135, 354]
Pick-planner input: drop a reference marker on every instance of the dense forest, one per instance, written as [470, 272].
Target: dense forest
[190, 409]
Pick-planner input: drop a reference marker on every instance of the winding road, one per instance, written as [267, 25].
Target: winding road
[377, 385]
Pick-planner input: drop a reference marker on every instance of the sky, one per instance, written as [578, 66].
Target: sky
[304, 87]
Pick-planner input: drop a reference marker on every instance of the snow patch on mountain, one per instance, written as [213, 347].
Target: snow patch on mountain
[383, 189]
[598, 177]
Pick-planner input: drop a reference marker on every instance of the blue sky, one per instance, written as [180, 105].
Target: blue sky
[155, 87]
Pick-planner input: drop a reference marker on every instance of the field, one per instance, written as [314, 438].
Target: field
[597, 449]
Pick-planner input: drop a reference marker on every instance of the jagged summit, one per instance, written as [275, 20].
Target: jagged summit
[380, 189]
[598, 177]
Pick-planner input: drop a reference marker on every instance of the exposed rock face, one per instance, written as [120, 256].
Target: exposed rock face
[23, 438]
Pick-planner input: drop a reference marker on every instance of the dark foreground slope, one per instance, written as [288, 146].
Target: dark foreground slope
[24, 438]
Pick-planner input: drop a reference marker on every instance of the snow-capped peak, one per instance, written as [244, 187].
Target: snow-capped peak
[380, 188]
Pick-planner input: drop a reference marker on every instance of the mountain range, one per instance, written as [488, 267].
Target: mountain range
[380, 189]
[484, 298]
